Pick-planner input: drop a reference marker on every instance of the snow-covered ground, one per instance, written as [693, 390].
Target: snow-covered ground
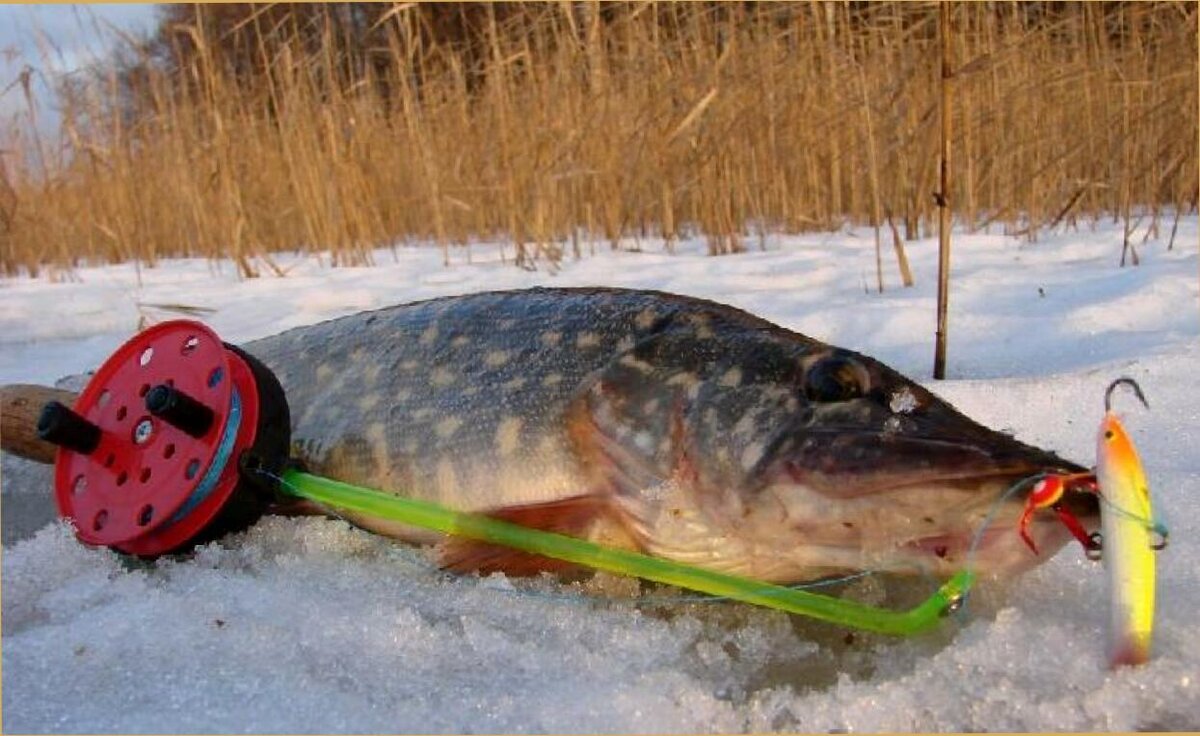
[304, 625]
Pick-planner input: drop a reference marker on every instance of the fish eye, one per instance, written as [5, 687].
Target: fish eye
[836, 378]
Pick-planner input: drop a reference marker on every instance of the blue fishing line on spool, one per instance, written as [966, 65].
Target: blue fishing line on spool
[208, 481]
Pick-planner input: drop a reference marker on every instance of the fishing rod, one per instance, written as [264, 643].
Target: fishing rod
[179, 439]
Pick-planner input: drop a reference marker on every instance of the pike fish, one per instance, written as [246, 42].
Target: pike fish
[675, 426]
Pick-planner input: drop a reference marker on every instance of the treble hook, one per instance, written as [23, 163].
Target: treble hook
[1128, 382]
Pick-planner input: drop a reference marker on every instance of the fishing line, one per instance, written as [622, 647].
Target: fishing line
[1150, 524]
[977, 539]
[221, 457]
[991, 514]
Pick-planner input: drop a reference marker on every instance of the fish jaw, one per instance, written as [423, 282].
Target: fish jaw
[930, 527]
[927, 495]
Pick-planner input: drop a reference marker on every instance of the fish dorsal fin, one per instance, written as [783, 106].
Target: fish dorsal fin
[574, 516]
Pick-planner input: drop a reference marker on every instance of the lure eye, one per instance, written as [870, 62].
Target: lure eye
[835, 379]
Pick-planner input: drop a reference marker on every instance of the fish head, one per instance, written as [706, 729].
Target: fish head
[862, 469]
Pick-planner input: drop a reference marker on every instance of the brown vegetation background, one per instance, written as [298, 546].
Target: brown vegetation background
[243, 130]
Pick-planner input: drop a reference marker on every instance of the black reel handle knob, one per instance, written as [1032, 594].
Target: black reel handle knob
[179, 410]
[63, 427]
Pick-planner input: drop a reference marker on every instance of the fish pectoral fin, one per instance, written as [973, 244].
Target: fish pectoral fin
[575, 516]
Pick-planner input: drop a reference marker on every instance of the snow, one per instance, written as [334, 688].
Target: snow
[308, 625]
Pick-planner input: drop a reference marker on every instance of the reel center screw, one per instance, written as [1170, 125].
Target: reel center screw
[143, 431]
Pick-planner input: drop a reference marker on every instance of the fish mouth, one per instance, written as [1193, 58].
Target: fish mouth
[936, 504]
[851, 463]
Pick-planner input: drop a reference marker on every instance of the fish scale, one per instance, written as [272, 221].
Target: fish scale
[675, 425]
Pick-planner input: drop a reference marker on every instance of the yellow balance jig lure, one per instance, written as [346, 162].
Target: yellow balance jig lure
[1130, 536]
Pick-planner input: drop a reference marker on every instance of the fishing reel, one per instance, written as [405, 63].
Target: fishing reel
[150, 458]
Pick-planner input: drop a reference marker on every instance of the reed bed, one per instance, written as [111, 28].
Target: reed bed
[566, 127]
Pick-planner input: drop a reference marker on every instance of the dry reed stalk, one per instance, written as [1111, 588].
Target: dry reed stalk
[945, 33]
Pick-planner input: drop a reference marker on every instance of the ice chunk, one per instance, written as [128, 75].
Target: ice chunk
[902, 401]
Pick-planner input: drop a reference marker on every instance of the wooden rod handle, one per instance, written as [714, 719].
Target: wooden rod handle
[20, 406]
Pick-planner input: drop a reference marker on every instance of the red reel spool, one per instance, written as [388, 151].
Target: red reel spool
[155, 480]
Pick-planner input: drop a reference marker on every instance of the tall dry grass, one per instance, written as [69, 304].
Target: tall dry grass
[571, 131]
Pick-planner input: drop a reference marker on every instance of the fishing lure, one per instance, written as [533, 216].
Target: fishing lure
[1129, 536]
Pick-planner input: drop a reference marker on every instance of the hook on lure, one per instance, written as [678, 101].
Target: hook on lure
[1154, 527]
[1124, 381]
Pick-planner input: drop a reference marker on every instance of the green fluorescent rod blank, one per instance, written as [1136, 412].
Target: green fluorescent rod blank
[483, 528]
